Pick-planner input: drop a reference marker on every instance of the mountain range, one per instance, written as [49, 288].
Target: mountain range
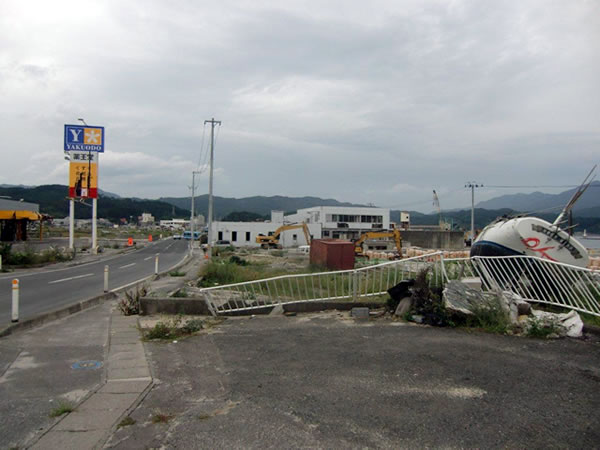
[587, 206]
[53, 201]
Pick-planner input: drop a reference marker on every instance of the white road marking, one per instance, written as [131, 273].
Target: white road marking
[146, 259]
[71, 278]
[127, 265]
[168, 246]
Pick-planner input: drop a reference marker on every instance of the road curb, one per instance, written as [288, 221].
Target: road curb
[56, 314]
[81, 305]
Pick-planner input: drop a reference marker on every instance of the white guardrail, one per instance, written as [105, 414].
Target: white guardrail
[532, 278]
[541, 280]
[343, 285]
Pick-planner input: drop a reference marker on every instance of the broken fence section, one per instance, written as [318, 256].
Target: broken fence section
[350, 285]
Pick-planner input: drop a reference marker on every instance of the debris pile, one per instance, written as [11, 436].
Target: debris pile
[465, 302]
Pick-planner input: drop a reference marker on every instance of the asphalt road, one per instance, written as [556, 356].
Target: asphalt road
[322, 381]
[47, 290]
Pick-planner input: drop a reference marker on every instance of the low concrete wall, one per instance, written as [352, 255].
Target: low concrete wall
[444, 240]
[173, 305]
[198, 306]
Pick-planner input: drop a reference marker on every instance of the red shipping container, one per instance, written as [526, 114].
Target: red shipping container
[335, 254]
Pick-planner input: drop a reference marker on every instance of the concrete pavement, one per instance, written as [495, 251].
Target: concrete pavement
[323, 381]
[127, 377]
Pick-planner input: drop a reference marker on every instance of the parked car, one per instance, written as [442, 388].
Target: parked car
[177, 237]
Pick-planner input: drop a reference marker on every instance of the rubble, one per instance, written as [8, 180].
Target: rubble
[462, 300]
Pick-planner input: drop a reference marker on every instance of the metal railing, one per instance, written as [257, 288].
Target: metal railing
[541, 280]
[342, 285]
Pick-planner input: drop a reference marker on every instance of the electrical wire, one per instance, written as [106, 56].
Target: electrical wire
[201, 148]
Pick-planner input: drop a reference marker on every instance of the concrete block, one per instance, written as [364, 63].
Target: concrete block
[108, 401]
[67, 440]
[132, 372]
[124, 387]
[88, 420]
[472, 282]
[127, 363]
[403, 307]
[360, 313]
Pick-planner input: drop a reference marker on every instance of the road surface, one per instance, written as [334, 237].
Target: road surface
[47, 290]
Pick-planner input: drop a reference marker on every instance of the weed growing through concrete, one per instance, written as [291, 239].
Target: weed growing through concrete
[180, 293]
[130, 305]
[62, 408]
[537, 328]
[176, 273]
[162, 418]
[176, 328]
[490, 317]
[127, 421]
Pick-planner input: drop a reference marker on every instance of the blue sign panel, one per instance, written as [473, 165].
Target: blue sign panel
[84, 138]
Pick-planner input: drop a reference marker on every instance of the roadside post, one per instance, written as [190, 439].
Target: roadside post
[106, 278]
[0, 263]
[156, 264]
[15, 300]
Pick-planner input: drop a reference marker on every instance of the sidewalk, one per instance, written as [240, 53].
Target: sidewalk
[93, 360]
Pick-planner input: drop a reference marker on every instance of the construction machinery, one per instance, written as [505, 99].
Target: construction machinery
[272, 241]
[395, 233]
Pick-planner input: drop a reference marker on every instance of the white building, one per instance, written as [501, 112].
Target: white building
[174, 224]
[146, 219]
[341, 222]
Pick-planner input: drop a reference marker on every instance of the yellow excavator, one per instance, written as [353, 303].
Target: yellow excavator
[272, 241]
[358, 249]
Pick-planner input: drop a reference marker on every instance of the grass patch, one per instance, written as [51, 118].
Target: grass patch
[127, 421]
[62, 408]
[176, 273]
[490, 317]
[180, 293]
[162, 418]
[543, 329]
[176, 328]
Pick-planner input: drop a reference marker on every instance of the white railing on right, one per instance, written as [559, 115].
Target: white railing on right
[541, 280]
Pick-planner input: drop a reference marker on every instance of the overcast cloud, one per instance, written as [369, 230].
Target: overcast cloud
[377, 102]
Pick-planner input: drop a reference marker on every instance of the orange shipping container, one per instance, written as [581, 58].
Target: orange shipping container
[334, 254]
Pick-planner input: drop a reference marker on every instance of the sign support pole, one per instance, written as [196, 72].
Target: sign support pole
[94, 226]
[71, 222]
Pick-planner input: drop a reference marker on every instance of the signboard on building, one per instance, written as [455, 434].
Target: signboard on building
[83, 175]
[84, 138]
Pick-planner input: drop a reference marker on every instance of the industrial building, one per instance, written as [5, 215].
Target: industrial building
[338, 222]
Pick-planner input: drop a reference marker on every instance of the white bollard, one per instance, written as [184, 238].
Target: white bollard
[106, 278]
[15, 300]
[156, 265]
[0, 263]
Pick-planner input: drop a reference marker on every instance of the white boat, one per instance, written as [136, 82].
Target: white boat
[532, 236]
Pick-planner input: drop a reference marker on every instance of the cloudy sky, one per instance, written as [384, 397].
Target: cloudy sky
[372, 102]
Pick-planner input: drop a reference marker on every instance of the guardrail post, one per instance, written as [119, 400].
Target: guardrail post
[106, 278]
[15, 300]
[354, 285]
[156, 264]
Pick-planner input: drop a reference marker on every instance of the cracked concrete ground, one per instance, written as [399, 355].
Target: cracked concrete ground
[320, 381]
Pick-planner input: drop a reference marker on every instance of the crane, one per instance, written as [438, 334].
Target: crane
[444, 226]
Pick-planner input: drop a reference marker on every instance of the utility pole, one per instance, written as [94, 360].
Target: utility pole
[473, 185]
[192, 221]
[212, 122]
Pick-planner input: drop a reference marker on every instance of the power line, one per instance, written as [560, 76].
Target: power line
[201, 148]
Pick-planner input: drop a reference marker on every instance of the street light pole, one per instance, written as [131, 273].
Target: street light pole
[212, 122]
[473, 185]
[192, 218]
